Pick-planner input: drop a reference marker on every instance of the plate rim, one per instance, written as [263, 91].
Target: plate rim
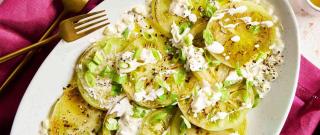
[28, 91]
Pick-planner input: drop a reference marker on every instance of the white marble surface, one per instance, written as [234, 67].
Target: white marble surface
[309, 27]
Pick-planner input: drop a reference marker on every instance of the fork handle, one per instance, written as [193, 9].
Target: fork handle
[28, 48]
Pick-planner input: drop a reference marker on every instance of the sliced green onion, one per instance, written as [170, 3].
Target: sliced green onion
[162, 83]
[227, 83]
[120, 79]
[209, 10]
[107, 48]
[148, 36]
[182, 56]
[108, 72]
[184, 26]
[208, 37]
[90, 79]
[98, 58]
[179, 76]
[186, 121]
[255, 29]
[139, 85]
[126, 33]
[92, 66]
[139, 112]
[137, 53]
[188, 40]
[156, 54]
[225, 94]
[112, 124]
[160, 116]
[116, 89]
[173, 97]
[261, 56]
[162, 97]
[123, 65]
[238, 70]
[183, 128]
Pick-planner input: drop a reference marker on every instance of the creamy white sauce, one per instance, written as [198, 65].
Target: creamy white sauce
[205, 97]
[128, 125]
[195, 58]
[181, 8]
[219, 116]
[215, 47]
[122, 107]
[233, 77]
[235, 38]
[176, 36]
[147, 56]
[240, 9]
[217, 16]
[268, 24]
[151, 96]
[127, 57]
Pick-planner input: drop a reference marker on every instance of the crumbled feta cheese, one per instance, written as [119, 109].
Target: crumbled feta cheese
[127, 18]
[231, 26]
[138, 96]
[147, 56]
[217, 16]
[120, 27]
[235, 38]
[129, 125]
[193, 18]
[267, 24]
[219, 116]
[127, 57]
[195, 58]
[151, 96]
[233, 77]
[246, 19]
[111, 30]
[205, 98]
[181, 8]
[215, 47]
[121, 108]
[257, 46]
[177, 37]
[240, 9]
[167, 72]
[140, 9]
[227, 57]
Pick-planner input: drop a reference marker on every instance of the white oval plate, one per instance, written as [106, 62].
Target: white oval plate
[56, 71]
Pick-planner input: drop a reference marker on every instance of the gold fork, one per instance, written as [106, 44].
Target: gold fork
[69, 6]
[70, 29]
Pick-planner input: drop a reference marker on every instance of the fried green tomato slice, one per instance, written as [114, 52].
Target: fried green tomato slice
[95, 73]
[225, 106]
[73, 115]
[163, 18]
[244, 29]
[181, 126]
[156, 79]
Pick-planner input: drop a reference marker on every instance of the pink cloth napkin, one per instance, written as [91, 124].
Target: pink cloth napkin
[305, 111]
[23, 22]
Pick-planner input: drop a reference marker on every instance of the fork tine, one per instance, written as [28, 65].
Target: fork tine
[88, 20]
[89, 25]
[77, 18]
[92, 30]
